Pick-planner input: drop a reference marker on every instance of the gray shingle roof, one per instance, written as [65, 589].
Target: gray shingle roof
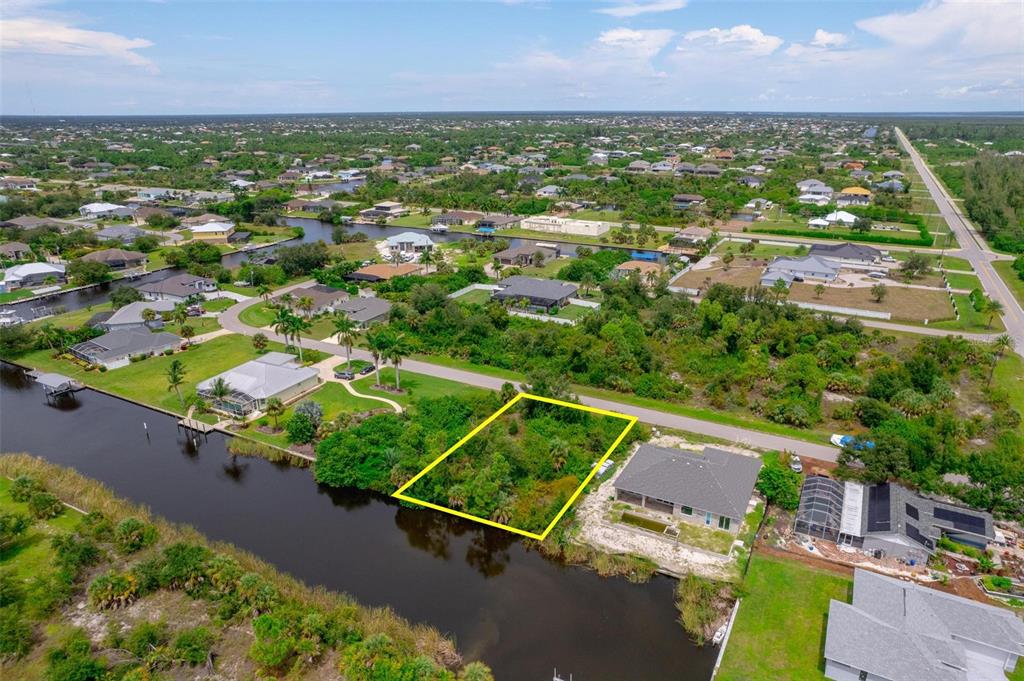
[125, 342]
[905, 632]
[714, 480]
[845, 250]
[362, 310]
[264, 377]
[529, 287]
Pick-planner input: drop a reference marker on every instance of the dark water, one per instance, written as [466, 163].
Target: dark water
[517, 611]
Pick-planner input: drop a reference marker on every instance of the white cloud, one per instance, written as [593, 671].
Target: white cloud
[632, 9]
[55, 37]
[640, 43]
[981, 27]
[823, 38]
[744, 37]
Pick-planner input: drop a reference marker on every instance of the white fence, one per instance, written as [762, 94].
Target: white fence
[850, 311]
[584, 303]
[473, 287]
[543, 317]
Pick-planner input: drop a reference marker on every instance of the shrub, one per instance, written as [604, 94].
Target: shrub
[113, 590]
[15, 633]
[699, 601]
[779, 484]
[73, 661]
[192, 646]
[11, 590]
[184, 567]
[23, 487]
[96, 526]
[144, 637]
[132, 535]
[273, 646]
[311, 409]
[257, 593]
[12, 527]
[300, 428]
[43, 505]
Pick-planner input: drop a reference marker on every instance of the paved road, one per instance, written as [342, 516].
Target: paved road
[743, 436]
[972, 247]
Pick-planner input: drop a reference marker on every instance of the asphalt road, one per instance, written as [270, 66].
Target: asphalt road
[972, 248]
[741, 436]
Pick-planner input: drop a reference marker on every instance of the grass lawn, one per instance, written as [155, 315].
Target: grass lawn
[411, 220]
[707, 538]
[355, 250]
[74, 319]
[145, 381]
[760, 250]
[32, 555]
[477, 297]
[414, 386]
[200, 325]
[970, 319]
[962, 280]
[601, 215]
[11, 296]
[217, 304]
[573, 312]
[258, 315]
[1009, 376]
[322, 328]
[1016, 285]
[779, 632]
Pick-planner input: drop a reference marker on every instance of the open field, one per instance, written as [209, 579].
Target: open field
[355, 250]
[911, 304]
[779, 632]
[760, 250]
[962, 280]
[477, 297]
[414, 386]
[145, 381]
[1016, 285]
[1009, 377]
[73, 319]
[32, 555]
[970, 319]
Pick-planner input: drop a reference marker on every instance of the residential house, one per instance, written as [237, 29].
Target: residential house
[712, 488]
[814, 188]
[384, 209]
[892, 175]
[202, 219]
[365, 311]
[131, 316]
[897, 630]
[456, 217]
[638, 167]
[840, 217]
[799, 269]
[15, 250]
[116, 348]
[751, 181]
[409, 242]
[707, 170]
[179, 288]
[560, 225]
[886, 519]
[214, 232]
[31, 274]
[18, 182]
[847, 254]
[540, 294]
[325, 298]
[645, 269]
[894, 186]
[691, 237]
[814, 199]
[521, 256]
[549, 191]
[116, 258]
[495, 222]
[853, 196]
[663, 167]
[252, 384]
[684, 201]
[100, 210]
[598, 159]
[125, 234]
[374, 273]
[685, 168]
[154, 193]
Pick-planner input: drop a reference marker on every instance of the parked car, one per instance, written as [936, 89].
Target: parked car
[368, 369]
[851, 442]
[795, 463]
[344, 375]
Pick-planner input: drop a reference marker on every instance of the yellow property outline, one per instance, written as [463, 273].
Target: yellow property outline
[399, 493]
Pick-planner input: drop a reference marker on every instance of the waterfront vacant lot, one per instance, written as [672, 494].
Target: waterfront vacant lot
[779, 631]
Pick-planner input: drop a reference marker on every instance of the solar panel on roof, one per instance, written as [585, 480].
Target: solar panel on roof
[912, 512]
[916, 535]
[878, 509]
[960, 520]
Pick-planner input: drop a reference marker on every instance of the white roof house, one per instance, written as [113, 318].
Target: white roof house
[29, 273]
[213, 227]
[410, 241]
[813, 199]
[842, 217]
[100, 209]
[275, 374]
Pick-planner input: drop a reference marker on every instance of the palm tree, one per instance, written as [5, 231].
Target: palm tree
[296, 325]
[282, 323]
[497, 267]
[259, 342]
[306, 305]
[287, 299]
[378, 339]
[274, 408]
[503, 511]
[999, 346]
[587, 281]
[426, 259]
[559, 453]
[345, 329]
[457, 497]
[187, 332]
[180, 313]
[176, 377]
[51, 334]
[219, 390]
[993, 307]
[397, 351]
[263, 291]
[148, 315]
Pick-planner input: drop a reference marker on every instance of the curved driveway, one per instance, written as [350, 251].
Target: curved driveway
[742, 436]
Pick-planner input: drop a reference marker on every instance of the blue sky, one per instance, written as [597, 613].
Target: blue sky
[139, 57]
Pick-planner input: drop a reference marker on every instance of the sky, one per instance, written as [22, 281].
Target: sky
[217, 57]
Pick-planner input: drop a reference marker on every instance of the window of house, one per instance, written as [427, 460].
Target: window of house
[707, 518]
[724, 522]
[863, 676]
[686, 510]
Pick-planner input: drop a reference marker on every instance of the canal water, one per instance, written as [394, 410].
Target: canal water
[521, 613]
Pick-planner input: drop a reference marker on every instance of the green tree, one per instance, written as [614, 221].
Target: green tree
[176, 377]
[275, 408]
[879, 292]
[378, 341]
[260, 342]
[819, 291]
[993, 307]
[188, 333]
[345, 330]
[399, 349]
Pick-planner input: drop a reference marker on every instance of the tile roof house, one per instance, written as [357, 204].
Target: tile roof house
[539, 293]
[383, 272]
[711, 488]
[902, 631]
[275, 374]
[116, 348]
[799, 269]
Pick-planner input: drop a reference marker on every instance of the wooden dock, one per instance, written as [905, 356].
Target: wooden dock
[196, 425]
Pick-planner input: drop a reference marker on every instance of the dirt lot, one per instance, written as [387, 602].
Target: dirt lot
[904, 303]
[743, 274]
